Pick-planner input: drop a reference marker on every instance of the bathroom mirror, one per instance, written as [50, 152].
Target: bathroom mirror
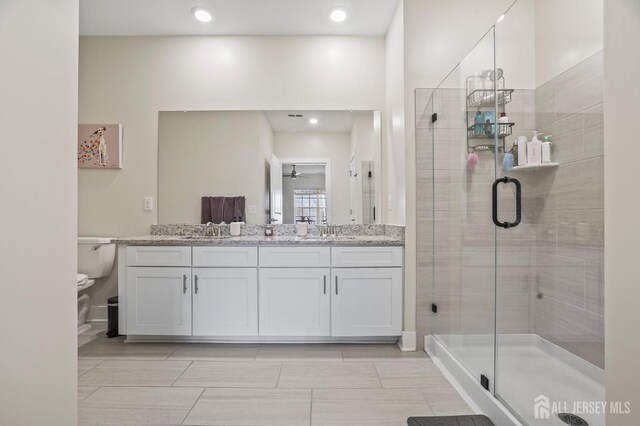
[269, 167]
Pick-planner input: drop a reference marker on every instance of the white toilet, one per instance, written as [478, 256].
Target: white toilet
[96, 256]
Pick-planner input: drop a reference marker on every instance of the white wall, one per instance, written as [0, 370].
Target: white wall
[437, 35]
[211, 153]
[622, 229]
[38, 131]
[129, 80]
[567, 32]
[393, 192]
[335, 147]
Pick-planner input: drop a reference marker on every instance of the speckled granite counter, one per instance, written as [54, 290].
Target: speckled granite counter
[255, 240]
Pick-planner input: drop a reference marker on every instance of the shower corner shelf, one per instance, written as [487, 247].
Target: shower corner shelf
[504, 130]
[486, 97]
[534, 167]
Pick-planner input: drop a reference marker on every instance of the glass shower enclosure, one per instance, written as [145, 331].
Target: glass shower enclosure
[514, 270]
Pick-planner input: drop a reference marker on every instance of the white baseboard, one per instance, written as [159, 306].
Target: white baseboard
[407, 342]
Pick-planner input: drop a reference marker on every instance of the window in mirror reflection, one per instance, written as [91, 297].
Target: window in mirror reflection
[310, 206]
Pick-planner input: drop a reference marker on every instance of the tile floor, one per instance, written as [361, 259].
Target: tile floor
[214, 384]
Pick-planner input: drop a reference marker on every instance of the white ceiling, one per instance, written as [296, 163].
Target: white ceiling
[328, 121]
[234, 17]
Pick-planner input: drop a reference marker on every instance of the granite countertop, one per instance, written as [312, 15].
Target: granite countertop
[255, 240]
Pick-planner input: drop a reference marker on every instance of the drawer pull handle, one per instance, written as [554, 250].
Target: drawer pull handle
[184, 284]
[324, 291]
[336, 284]
[196, 283]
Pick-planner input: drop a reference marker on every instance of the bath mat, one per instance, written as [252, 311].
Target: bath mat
[475, 420]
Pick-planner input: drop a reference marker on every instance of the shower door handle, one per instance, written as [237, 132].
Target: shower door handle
[516, 182]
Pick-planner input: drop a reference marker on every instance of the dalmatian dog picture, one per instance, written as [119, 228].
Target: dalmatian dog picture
[100, 146]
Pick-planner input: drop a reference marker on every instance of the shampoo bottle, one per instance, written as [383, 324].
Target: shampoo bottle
[546, 149]
[522, 151]
[478, 124]
[534, 150]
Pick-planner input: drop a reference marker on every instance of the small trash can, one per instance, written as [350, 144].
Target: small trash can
[112, 317]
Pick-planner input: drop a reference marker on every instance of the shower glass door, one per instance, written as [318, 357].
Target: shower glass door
[464, 148]
[516, 258]
[549, 280]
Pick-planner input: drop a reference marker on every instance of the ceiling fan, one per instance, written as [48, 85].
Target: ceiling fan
[294, 174]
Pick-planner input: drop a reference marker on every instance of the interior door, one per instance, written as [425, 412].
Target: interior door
[276, 190]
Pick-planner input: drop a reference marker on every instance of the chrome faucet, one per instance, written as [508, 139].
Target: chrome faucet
[328, 230]
[212, 230]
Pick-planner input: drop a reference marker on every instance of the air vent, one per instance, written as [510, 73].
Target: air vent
[295, 116]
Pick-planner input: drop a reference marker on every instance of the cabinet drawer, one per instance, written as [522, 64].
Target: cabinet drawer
[295, 257]
[376, 257]
[158, 256]
[237, 257]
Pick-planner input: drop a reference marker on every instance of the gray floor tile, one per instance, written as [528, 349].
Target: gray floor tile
[121, 350]
[454, 408]
[378, 353]
[85, 365]
[366, 406]
[354, 375]
[85, 391]
[230, 374]
[300, 353]
[137, 405]
[134, 373]
[215, 352]
[407, 374]
[252, 407]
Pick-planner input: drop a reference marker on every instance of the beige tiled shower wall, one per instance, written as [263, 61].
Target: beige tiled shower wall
[550, 269]
[457, 239]
[568, 294]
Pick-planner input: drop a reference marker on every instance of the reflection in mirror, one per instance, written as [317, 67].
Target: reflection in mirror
[261, 167]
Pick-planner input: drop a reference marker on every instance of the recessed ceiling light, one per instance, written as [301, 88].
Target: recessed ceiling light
[338, 14]
[313, 121]
[202, 14]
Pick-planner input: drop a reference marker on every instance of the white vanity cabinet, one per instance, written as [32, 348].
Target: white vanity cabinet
[366, 292]
[295, 302]
[158, 301]
[225, 291]
[366, 302]
[266, 293]
[225, 302]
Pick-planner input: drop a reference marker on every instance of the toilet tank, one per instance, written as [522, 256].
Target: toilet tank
[96, 256]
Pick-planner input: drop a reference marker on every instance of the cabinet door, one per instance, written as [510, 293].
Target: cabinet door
[366, 302]
[225, 302]
[159, 301]
[295, 302]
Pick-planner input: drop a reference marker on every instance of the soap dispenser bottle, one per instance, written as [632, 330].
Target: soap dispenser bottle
[522, 150]
[546, 149]
[534, 149]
